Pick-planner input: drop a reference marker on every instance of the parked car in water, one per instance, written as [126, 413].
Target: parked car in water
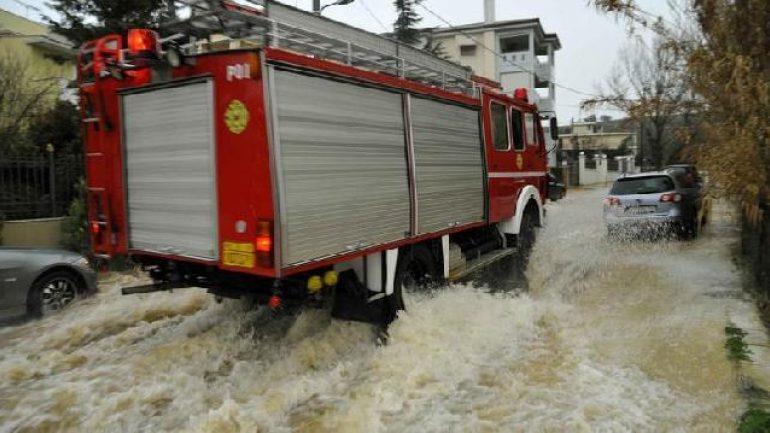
[37, 282]
[661, 201]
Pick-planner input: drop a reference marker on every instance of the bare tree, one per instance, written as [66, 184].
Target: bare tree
[23, 96]
[650, 84]
[727, 51]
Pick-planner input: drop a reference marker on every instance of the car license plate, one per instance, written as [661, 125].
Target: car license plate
[640, 210]
[238, 259]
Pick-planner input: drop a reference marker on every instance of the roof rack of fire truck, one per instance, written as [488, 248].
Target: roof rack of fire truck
[274, 24]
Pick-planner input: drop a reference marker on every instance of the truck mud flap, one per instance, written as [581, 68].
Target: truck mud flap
[353, 302]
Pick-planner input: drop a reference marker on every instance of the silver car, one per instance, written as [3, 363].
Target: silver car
[662, 201]
[36, 282]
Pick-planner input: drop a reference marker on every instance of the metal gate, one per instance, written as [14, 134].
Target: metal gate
[170, 170]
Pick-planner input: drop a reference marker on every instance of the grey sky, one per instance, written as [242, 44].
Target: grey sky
[590, 40]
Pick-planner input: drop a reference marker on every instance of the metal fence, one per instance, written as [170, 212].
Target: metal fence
[755, 241]
[38, 186]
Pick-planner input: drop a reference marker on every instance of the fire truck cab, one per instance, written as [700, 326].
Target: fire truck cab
[252, 167]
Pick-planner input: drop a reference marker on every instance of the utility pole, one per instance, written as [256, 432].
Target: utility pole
[641, 145]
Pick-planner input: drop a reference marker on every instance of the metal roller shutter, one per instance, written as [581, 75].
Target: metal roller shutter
[170, 174]
[448, 163]
[342, 162]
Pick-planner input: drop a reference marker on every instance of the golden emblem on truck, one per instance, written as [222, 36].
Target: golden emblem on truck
[236, 116]
[519, 161]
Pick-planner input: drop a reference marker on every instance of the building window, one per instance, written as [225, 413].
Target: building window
[467, 50]
[512, 44]
[500, 127]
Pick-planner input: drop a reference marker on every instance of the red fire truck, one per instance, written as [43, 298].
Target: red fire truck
[253, 167]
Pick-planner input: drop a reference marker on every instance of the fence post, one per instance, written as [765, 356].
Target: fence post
[764, 246]
[51, 177]
[581, 167]
[601, 166]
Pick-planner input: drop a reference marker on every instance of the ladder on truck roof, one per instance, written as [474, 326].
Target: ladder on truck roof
[282, 26]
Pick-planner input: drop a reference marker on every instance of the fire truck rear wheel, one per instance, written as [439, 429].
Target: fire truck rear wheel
[415, 271]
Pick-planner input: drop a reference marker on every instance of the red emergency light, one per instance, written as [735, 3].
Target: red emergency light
[521, 93]
[143, 42]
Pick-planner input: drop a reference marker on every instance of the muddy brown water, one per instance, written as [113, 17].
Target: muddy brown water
[599, 337]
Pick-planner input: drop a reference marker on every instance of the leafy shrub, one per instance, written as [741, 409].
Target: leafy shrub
[755, 420]
[75, 226]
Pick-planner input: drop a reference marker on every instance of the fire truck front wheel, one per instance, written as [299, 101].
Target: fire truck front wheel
[416, 271]
[527, 234]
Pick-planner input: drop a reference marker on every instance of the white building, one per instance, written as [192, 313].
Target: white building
[516, 53]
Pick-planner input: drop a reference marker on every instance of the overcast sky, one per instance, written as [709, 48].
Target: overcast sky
[590, 40]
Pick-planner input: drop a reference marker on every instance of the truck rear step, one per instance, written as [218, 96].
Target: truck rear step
[473, 265]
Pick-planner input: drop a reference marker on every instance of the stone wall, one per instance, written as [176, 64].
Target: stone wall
[42, 233]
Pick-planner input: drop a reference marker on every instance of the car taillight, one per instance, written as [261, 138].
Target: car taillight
[611, 201]
[264, 243]
[671, 197]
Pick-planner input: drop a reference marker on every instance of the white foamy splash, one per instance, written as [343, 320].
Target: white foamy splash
[612, 337]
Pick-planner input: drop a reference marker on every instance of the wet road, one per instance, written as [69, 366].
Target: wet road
[600, 337]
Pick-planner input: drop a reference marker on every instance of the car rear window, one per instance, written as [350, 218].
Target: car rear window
[642, 185]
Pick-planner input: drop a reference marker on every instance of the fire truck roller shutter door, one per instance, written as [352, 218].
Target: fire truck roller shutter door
[168, 138]
[342, 166]
[448, 163]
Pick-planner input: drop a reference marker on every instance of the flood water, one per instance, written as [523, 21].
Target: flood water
[601, 337]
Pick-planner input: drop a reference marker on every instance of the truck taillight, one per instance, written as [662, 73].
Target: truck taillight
[264, 243]
[143, 43]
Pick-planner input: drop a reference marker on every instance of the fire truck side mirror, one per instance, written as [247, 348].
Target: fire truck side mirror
[554, 127]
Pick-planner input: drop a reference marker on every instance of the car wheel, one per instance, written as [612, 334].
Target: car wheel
[53, 292]
[688, 229]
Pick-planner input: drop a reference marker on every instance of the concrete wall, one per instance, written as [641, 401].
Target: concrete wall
[483, 63]
[601, 175]
[593, 176]
[43, 232]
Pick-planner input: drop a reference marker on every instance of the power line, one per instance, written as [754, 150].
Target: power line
[373, 15]
[502, 57]
[28, 6]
